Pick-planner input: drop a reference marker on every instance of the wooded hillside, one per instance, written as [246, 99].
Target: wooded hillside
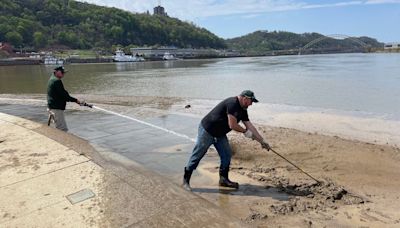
[261, 42]
[52, 23]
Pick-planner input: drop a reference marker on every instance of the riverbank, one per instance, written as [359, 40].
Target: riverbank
[27, 61]
[360, 178]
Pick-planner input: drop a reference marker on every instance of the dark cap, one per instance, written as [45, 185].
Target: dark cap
[249, 94]
[60, 68]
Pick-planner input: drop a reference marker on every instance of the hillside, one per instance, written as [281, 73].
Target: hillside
[70, 24]
[262, 42]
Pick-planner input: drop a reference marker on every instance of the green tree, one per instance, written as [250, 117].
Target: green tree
[4, 29]
[14, 38]
[117, 33]
[39, 40]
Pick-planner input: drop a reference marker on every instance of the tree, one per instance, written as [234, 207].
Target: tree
[14, 38]
[83, 25]
[39, 40]
[117, 33]
[4, 29]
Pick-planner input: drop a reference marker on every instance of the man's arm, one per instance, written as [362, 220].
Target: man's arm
[253, 129]
[64, 93]
[233, 124]
[256, 135]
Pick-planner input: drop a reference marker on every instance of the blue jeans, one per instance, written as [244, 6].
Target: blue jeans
[204, 141]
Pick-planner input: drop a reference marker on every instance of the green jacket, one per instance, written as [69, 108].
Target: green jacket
[57, 96]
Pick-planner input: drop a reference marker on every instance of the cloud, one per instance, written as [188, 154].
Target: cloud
[247, 16]
[382, 1]
[197, 9]
[338, 4]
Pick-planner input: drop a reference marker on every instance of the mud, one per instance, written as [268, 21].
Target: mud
[312, 197]
[304, 196]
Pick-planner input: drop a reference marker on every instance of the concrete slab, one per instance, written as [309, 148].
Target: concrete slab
[42, 191]
[37, 174]
[182, 214]
[61, 214]
[37, 155]
[19, 121]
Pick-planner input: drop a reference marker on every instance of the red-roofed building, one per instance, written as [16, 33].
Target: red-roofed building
[6, 47]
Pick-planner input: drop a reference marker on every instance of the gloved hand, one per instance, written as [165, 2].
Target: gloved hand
[248, 134]
[83, 103]
[265, 145]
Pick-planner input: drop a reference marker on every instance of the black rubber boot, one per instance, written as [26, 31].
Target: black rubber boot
[186, 180]
[224, 180]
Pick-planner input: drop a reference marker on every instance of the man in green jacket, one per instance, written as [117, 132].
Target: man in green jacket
[57, 98]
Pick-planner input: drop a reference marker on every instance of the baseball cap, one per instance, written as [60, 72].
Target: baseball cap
[60, 68]
[249, 94]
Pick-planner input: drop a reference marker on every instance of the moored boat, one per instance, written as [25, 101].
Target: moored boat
[51, 60]
[120, 56]
[169, 56]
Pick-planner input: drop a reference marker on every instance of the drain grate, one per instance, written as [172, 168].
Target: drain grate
[80, 196]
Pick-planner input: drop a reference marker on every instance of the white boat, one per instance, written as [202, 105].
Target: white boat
[51, 60]
[169, 56]
[121, 57]
[35, 55]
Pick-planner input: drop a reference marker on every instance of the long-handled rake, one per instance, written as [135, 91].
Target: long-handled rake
[318, 182]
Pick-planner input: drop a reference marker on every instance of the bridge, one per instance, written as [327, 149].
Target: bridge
[301, 50]
[333, 36]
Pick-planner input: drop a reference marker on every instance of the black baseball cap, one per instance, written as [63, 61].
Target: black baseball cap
[60, 68]
[249, 94]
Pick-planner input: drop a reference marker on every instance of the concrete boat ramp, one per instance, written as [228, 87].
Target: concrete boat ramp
[108, 171]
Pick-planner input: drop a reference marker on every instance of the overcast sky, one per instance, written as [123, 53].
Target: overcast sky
[379, 19]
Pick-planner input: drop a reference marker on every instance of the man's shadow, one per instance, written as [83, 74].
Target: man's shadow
[247, 190]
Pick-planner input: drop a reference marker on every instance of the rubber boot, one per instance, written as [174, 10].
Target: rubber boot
[224, 180]
[186, 180]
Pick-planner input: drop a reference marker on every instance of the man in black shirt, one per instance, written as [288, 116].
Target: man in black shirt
[213, 129]
[57, 98]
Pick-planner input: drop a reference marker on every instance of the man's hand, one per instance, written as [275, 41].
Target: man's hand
[265, 145]
[83, 103]
[248, 134]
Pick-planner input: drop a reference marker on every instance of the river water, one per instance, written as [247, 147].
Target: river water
[368, 84]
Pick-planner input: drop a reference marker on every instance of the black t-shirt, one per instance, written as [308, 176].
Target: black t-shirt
[216, 121]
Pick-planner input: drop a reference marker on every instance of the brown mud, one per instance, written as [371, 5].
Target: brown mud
[357, 180]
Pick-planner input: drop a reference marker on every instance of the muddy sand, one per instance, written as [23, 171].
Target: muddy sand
[359, 186]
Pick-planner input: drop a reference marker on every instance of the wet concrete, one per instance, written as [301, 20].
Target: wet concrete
[155, 150]
[46, 181]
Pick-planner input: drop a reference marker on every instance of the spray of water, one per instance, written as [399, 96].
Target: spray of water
[114, 113]
[145, 123]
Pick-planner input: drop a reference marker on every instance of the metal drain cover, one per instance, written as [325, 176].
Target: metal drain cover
[80, 196]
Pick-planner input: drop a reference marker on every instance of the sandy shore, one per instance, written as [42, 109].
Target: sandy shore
[355, 158]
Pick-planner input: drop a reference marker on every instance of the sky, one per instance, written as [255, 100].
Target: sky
[379, 19]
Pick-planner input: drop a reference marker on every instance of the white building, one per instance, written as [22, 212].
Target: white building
[158, 53]
[392, 45]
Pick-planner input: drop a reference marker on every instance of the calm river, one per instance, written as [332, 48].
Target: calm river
[364, 83]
